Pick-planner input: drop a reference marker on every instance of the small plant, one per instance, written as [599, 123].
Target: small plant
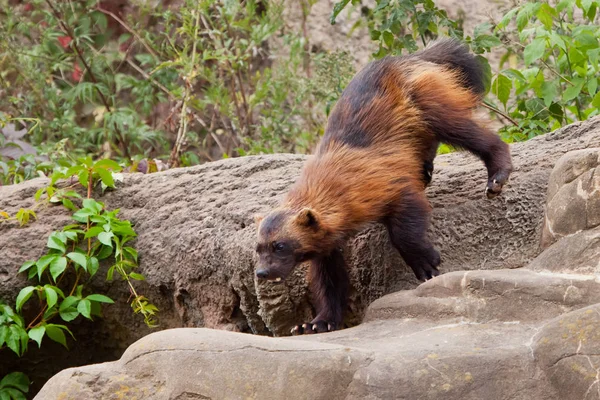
[61, 278]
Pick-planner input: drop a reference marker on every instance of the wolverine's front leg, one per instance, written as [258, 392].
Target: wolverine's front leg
[329, 284]
[407, 226]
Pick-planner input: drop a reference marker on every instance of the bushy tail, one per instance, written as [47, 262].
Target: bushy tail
[452, 53]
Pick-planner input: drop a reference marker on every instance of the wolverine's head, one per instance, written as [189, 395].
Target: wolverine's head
[287, 238]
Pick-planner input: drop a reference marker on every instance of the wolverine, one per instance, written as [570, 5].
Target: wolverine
[373, 164]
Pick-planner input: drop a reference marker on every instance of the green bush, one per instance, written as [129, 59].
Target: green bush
[184, 85]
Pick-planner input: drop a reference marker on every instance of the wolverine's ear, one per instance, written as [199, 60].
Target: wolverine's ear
[258, 218]
[307, 217]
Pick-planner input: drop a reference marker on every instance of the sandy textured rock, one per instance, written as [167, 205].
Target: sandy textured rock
[573, 195]
[579, 252]
[464, 335]
[568, 351]
[197, 236]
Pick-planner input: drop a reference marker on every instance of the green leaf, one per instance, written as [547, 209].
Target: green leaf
[68, 204]
[93, 266]
[69, 301]
[132, 252]
[14, 339]
[51, 296]
[546, 15]
[108, 163]
[43, 263]
[83, 176]
[11, 394]
[110, 273]
[487, 72]
[576, 56]
[36, 334]
[93, 205]
[549, 92]
[39, 193]
[55, 243]
[85, 308]
[23, 296]
[26, 266]
[506, 19]
[337, 9]
[136, 276]
[105, 238]
[17, 380]
[388, 39]
[67, 309]
[79, 259]
[57, 267]
[93, 231]
[501, 88]
[487, 41]
[100, 298]
[106, 177]
[557, 41]
[3, 334]
[596, 100]
[534, 50]
[525, 13]
[573, 91]
[56, 333]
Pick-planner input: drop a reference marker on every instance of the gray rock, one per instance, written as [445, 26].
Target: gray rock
[568, 351]
[464, 335]
[197, 236]
[579, 253]
[573, 202]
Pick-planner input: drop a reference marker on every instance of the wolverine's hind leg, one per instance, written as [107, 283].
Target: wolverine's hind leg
[447, 108]
[467, 134]
[407, 227]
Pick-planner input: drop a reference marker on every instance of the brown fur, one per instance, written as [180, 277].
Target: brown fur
[369, 167]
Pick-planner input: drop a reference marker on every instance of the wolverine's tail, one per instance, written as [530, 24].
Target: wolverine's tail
[456, 56]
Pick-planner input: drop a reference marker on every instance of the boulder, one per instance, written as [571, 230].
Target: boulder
[462, 335]
[197, 236]
[567, 350]
[573, 202]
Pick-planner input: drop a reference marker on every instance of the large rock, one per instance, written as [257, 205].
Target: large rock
[573, 201]
[197, 236]
[463, 335]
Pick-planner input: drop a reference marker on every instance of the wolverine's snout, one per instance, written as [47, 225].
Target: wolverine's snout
[269, 274]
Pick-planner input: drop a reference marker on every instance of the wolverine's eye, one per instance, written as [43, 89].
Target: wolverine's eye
[278, 246]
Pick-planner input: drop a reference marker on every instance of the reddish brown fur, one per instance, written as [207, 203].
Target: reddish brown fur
[369, 167]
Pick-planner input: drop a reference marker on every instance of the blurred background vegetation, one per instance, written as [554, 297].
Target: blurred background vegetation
[164, 84]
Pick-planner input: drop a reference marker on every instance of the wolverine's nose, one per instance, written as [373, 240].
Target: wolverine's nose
[262, 274]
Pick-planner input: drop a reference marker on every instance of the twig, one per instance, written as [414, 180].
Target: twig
[494, 109]
[133, 32]
[151, 79]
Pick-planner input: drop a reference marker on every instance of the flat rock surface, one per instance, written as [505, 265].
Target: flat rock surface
[504, 340]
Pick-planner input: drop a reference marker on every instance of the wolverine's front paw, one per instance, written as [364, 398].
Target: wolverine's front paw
[495, 184]
[426, 267]
[314, 327]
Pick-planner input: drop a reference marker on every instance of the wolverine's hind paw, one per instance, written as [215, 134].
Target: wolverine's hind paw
[313, 327]
[495, 184]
